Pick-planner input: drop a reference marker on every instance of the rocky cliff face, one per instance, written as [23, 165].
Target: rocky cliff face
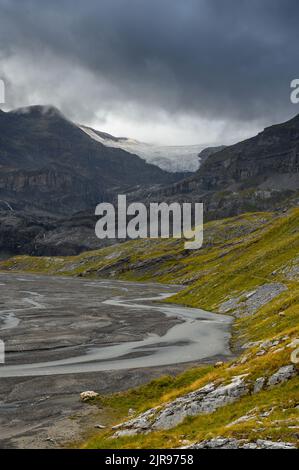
[269, 161]
[260, 173]
[48, 163]
[51, 170]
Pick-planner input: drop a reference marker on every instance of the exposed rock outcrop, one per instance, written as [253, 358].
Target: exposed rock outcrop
[51, 170]
[48, 163]
[230, 443]
[282, 375]
[205, 400]
[250, 302]
[259, 173]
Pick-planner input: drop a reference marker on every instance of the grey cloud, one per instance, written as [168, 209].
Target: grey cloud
[230, 59]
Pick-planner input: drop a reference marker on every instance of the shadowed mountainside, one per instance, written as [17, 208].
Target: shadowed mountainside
[260, 173]
[49, 164]
[53, 174]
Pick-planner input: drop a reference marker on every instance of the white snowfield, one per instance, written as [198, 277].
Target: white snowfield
[169, 158]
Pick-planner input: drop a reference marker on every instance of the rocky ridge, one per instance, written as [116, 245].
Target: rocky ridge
[250, 302]
[205, 400]
[230, 443]
[260, 173]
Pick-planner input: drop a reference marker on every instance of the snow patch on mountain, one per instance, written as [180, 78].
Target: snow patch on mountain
[170, 158]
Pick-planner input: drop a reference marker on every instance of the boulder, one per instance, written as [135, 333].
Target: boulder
[88, 395]
[282, 375]
[219, 364]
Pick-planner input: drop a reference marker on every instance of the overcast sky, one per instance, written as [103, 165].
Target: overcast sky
[167, 71]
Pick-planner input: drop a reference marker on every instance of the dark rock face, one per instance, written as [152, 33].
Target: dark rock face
[48, 163]
[208, 151]
[52, 176]
[261, 173]
[268, 161]
[28, 233]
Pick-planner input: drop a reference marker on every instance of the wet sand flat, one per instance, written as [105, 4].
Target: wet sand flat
[65, 335]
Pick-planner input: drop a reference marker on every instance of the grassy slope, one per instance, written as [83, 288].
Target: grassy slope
[239, 254]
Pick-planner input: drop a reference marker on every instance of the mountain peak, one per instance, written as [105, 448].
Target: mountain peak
[38, 111]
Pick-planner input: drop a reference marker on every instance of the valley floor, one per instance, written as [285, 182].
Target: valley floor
[64, 336]
[249, 269]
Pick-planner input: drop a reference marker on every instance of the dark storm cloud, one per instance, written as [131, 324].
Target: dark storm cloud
[231, 59]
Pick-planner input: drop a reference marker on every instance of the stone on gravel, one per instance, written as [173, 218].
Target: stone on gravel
[219, 364]
[88, 395]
